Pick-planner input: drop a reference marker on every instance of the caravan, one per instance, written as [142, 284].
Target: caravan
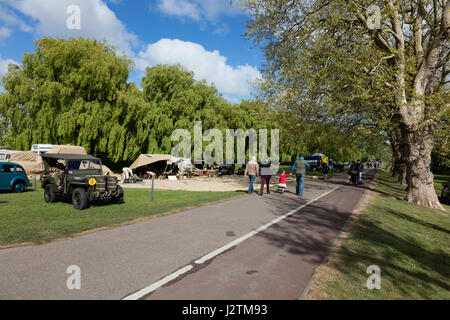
[41, 148]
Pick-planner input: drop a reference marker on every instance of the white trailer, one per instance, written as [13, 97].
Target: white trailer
[41, 148]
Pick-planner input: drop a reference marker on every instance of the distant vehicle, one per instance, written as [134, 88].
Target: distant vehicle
[13, 177]
[225, 168]
[41, 148]
[79, 177]
[445, 194]
[314, 162]
[5, 155]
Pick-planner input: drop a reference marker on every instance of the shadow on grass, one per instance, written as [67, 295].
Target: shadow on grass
[391, 253]
[414, 220]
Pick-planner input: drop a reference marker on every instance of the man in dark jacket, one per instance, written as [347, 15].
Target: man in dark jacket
[266, 174]
[325, 170]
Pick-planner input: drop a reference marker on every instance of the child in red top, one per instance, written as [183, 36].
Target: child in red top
[282, 183]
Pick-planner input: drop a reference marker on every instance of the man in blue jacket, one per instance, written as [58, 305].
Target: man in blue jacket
[300, 174]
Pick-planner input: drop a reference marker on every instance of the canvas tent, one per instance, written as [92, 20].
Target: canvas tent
[106, 170]
[29, 160]
[67, 149]
[161, 164]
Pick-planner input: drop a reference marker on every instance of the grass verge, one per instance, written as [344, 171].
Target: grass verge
[410, 244]
[26, 218]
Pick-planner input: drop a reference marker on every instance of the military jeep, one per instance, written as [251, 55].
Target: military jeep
[78, 177]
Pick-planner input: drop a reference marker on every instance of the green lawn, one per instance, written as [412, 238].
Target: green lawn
[25, 217]
[409, 243]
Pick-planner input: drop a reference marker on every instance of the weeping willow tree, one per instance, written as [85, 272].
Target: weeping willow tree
[72, 92]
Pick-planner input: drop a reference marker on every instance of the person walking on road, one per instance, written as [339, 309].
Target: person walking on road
[353, 172]
[325, 170]
[300, 174]
[252, 170]
[282, 182]
[266, 174]
[359, 168]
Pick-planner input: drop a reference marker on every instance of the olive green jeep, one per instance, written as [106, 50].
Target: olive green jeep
[78, 177]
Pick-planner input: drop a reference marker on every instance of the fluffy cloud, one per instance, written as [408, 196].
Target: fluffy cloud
[97, 20]
[232, 82]
[4, 65]
[5, 33]
[198, 9]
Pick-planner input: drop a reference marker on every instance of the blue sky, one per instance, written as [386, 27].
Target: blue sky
[205, 36]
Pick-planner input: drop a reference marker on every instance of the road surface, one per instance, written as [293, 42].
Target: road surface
[251, 247]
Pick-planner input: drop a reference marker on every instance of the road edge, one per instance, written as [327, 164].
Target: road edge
[367, 198]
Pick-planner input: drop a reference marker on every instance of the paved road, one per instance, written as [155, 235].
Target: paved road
[137, 261]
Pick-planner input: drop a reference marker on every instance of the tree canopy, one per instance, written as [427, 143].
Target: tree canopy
[378, 64]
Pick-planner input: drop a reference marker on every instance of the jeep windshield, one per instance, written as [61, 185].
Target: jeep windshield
[83, 164]
[92, 166]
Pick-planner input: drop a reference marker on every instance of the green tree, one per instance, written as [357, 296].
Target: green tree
[331, 58]
[72, 92]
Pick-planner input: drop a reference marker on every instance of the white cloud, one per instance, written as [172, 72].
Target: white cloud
[4, 65]
[97, 21]
[198, 9]
[5, 33]
[9, 18]
[180, 8]
[232, 82]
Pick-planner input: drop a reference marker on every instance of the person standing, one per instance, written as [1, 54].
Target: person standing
[353, 172]
[300, 174]
[266, 174]
[359, 168]
[282, 182]
[252, 170]
[325, 170]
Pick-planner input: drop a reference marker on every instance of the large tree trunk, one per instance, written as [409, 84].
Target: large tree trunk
[418, 145]
[398, 164]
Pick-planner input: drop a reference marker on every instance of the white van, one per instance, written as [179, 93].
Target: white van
[41, 148]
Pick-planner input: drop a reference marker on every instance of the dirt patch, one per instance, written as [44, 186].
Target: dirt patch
[225, 183]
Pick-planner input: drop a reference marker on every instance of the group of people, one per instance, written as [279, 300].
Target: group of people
[252, 170]
[299, 166]
[373, 165]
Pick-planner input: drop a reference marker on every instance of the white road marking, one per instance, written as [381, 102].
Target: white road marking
[139, 294]
[157, 284]
[263, 227]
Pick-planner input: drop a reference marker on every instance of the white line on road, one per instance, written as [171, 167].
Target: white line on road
[139, 294]
[157, 284]
[263, 227]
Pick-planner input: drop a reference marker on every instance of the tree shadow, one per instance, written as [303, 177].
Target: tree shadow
[312, 231]
[394, 249]
[415, 220]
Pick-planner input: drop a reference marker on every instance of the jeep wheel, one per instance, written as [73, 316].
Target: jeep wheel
[49, 194]
[19, 186]
[119, 198]
[79, 199]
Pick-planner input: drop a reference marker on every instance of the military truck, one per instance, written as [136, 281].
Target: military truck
[78, 177]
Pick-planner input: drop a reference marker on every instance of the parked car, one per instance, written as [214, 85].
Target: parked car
[79, 177]
[13, 177]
